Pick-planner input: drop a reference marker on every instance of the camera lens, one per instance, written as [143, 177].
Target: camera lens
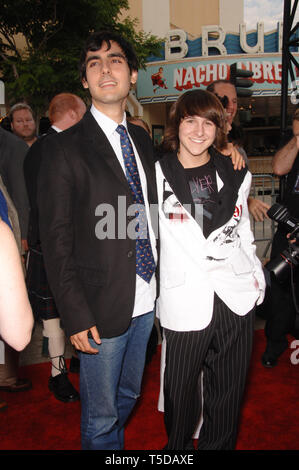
[282, 265]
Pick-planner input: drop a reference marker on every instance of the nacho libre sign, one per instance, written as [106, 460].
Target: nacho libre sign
[164, 81]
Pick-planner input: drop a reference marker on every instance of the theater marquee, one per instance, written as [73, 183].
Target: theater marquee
[164, 81]
[187, 64]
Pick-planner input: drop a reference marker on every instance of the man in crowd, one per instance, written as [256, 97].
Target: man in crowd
[65, 110]
[23, 123]
[139, 122]
[12, 154]
[257, 208]
[103, 290]
[280, 303]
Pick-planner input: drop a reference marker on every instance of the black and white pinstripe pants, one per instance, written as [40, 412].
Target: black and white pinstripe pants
[222, 351]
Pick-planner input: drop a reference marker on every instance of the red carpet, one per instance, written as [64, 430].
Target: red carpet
[35, 420]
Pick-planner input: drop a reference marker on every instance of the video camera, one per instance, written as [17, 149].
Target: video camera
[223, 100]
[289, 258]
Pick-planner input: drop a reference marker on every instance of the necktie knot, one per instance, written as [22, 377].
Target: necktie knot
[121, 130]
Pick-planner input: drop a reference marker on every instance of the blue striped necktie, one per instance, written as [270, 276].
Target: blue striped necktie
[145, 263]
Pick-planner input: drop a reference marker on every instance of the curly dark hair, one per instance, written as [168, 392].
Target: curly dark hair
[195, 103]
[95, 41]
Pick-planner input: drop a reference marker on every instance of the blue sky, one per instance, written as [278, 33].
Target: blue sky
[267, 11]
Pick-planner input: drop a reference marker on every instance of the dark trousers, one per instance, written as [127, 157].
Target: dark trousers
[9, 370]
[279, 304]
[222, 351]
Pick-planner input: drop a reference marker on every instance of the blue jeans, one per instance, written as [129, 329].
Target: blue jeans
[110, 383]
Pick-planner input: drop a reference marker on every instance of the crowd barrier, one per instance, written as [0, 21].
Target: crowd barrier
[265, 187]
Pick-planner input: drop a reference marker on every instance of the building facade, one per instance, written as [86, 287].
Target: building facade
[203, 38]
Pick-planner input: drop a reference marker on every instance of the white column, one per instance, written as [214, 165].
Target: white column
[231, 14]
[156, 17]
[2, 92]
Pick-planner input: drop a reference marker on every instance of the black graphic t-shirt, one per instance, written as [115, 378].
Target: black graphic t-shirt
[203, 187]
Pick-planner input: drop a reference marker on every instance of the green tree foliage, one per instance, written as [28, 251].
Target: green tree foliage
[53, 33]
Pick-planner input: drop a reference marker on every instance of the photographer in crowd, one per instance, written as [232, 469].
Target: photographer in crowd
[281, 307]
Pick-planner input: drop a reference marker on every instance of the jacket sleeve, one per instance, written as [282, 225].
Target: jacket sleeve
[14, 180]
[55, 198]
[247, 238]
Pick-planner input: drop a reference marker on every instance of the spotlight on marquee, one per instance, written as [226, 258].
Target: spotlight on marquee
[240, 78]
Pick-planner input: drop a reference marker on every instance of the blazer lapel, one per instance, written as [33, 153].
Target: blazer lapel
[103, 149]
[175, 175]
[146, 155]
[228, 194]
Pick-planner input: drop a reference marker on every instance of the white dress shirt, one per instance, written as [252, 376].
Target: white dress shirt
[145, 293]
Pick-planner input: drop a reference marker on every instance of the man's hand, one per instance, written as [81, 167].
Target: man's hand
[258, 209]
[25, 245]
[293, 240]
[237, 159]
[80, 340]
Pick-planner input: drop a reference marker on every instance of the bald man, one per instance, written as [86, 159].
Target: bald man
[257, 208]
[65, 110]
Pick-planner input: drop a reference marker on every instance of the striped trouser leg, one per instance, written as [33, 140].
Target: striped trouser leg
[224, 377]
[222, 351]
[185, 352]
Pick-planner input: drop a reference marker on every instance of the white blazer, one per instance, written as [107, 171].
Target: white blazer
[193, 268]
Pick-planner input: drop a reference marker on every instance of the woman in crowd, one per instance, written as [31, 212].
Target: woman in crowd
[16, 319]
[210, 276]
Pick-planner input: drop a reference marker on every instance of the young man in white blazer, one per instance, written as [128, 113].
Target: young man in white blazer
[210, 276]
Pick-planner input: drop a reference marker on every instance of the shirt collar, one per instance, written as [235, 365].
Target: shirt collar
[107, 125]
[56, 128]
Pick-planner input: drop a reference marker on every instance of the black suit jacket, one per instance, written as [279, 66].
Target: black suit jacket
[93, 280]
[31, 170]
[12, 154]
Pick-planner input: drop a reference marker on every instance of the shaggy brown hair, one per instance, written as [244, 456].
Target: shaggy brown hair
[296, 115]
[195, 103]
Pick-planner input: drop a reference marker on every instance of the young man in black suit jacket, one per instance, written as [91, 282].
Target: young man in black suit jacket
[65, 110]
[86, 214]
